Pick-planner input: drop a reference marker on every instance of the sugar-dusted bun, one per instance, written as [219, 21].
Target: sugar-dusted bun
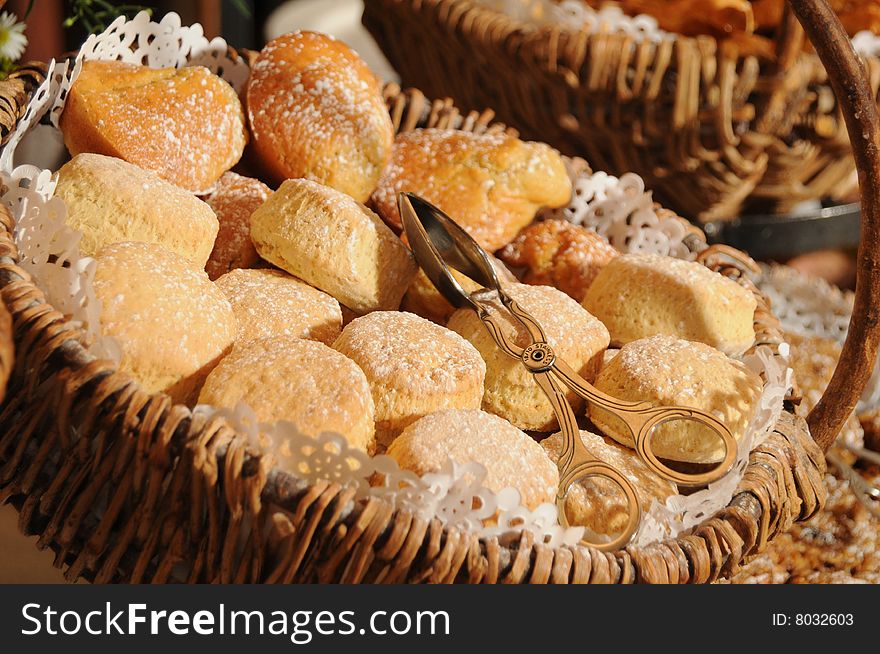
[300, 381]
[316, 111]
[185, 124]
[423, 299]
[112, 201]
[414, 368]
[599, 504]
[491, 184]
[576, 337]
[272, 303]
[668, 371]
[172, 323]
[559, 254]
[233, 200]
[511, 458]
[330, 241]
[640, 295]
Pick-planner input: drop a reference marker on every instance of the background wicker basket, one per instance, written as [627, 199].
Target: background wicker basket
[709, 130]
[125, 486]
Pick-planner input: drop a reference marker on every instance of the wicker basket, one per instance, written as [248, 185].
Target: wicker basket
[708, 130]
[124, 486]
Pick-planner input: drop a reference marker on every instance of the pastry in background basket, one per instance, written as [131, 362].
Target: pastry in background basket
[233, 201]
[316, 111]
[577, 338]
[491, 184]
[639, 295]
[185, 124]
[596, 503]
[272, 303]
[414, 368]
[171, 322]
[333, 243]
[692, 17]
[669, 371]
[303, 382]
[560, 254]
[511, 458]
[110, 201]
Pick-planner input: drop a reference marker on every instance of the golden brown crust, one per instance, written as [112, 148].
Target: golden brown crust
[316, 111]
[233, 201]
[559, 254]
[511, 458]
[172, 323]
[303, 382]
[491, 184]
[185, 124]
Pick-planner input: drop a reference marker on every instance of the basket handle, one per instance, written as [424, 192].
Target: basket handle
[850, 83]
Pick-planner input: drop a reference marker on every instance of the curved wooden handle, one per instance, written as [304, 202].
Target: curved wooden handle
[850, 83]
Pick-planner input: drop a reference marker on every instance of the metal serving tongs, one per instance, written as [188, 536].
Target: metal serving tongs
[438, 243]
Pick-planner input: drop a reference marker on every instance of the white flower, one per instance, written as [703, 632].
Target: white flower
[12, 38]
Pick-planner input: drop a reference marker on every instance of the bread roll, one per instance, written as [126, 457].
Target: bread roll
[511, 392]
[185, 124]
[272, 303]
[335, 244]
[172, 323]
[640, 295]
[300, 381]
[316, 111]
[598, 504]
[559, 254]
[414, 368]
[233, 201]
[669, 371]
[511, 458]
[490, 184]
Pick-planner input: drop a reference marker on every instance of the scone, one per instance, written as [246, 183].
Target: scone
[641, 295]
[172, 324]
[598, 504]
[316, 111]
[490, 184]
[559, 254]
[233, 201]
[414, 368]
[185, 124]
[300, 381]
[335, 244]
[272, 303]
[511, 392]
[668, 371]
[112, 201]
[511, 458]
[423, 299]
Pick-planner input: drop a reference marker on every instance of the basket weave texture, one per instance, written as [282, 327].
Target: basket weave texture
[711, 131]
[126, 487]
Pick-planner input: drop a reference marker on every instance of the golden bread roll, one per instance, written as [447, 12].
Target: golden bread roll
[172, 323]
[233, 201]
[669, 371]
[490, 184]
[559, 254]
[598, 504]
[423, 299]
[272, 303]
[576, 337]
[414, 368]
[185, 124]
[112, 201]
[640, 295]
[316, 111]
[300, 381]
[333, 243]
[511, 458]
